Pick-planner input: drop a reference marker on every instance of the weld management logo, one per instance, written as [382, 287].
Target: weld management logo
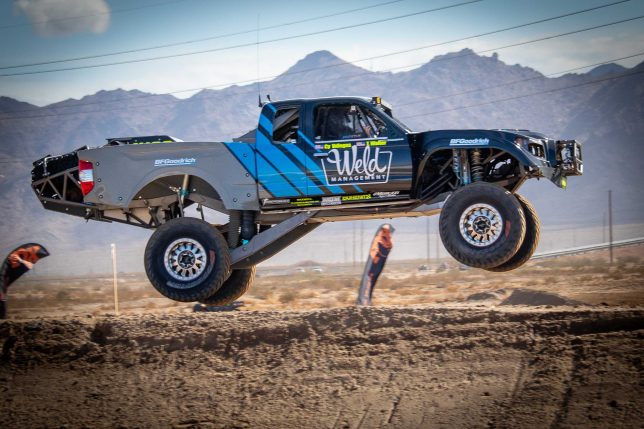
[355, 166]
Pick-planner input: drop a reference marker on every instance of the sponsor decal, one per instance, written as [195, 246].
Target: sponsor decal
[357, 165]
[330, 201]
[268, 202]
[319, 147]
[373, 143]
[173, 162]
[356, 197]
[386, 194]
[304, 202]
[469, 142]
[328, 146]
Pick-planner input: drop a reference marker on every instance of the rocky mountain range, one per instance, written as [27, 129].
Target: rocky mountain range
[603, 108]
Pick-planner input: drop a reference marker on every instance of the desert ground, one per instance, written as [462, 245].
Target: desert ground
[557, 343]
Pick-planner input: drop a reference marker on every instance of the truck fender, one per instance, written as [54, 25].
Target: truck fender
[472, 140]
[229, 201]
[121, 172]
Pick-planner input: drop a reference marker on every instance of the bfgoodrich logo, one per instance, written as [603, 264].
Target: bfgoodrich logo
[357, 165]
[468, 142]
[172, 162]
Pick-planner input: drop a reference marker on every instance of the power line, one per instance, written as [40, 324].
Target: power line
[480, 104]
[67, 18]
[479, 89]
[524, 95]
[501, 30]
[317, 33]
[469, 91]
[242, 45]
[186, 42]
[297, 72]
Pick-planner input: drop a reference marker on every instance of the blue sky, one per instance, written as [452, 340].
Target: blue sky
[44, 30]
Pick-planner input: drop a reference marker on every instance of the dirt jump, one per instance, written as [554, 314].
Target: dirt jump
[403, 367]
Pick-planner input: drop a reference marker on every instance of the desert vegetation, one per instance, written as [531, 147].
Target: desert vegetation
[588, 279]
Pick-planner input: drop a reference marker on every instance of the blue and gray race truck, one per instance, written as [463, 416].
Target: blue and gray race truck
[309, 161]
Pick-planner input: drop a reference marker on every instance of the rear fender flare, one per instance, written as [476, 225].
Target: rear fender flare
[121, 172]
[201, 191]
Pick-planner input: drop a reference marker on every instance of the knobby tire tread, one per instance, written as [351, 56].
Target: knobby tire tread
[530, 242]
[234, 287]
[480, 257]
[198, 229]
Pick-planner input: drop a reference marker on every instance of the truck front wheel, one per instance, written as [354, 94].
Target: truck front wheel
[186, 259]
[237, 284]
[482, 225]
[530, 242]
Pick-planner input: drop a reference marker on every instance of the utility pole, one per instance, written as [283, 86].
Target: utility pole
[353, 225]
[427, 236]
[604, 228]
[610, 225]
[361, 242]
[115, 285]
[438, 255]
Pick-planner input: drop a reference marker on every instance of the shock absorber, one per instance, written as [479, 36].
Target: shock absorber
[476, 167]
[465, 166]
[233, 228]
[456, 164]
[248, 228]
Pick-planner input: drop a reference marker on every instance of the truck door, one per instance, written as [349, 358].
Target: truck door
[281, 165]
[356, 154]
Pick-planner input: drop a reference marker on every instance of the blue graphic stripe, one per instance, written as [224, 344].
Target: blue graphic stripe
[305, 138]
[312, 166]
[239, 150]
[283, 164]
[272, 180]
[319, 173]
[273, 108]
[312, 188]
[266, 123]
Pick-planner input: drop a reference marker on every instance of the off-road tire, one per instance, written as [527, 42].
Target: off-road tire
[237, 284]
[217, 259]
[530, 241]
[504, 246]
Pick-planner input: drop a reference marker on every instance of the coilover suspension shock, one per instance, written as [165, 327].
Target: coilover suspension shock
[476, 167]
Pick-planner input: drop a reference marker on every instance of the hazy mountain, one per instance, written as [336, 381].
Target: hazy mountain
[606, 69]
[456, 90]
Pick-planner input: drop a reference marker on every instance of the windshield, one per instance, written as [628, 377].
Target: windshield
[387, 111]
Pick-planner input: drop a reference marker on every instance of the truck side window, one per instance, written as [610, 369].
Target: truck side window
[373, 124]
[285, 125]
[345, 121]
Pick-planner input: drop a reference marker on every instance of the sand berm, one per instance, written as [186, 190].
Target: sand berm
[403, 367]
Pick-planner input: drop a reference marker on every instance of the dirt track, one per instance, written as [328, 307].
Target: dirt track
[379, 367]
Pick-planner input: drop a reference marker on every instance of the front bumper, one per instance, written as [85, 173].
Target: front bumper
[568, 161]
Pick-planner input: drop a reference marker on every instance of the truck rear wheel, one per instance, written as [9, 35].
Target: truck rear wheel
[482, 225]
[530, 242]
[237, 284]
[186, 259]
